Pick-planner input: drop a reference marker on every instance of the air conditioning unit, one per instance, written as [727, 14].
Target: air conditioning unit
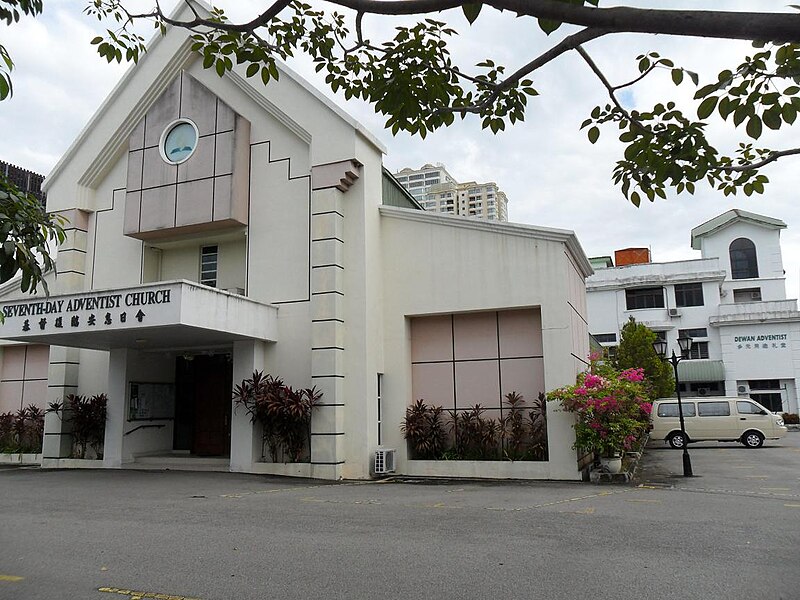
[702, 391]
[674, 312]
[755, 295]
[384, 461]
[236, 290]
[743, 390]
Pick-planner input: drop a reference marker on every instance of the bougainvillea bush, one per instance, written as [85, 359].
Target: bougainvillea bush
[612, 407]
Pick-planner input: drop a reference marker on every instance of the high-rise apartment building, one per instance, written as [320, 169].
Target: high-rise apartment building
[25, 180]
[436, 190]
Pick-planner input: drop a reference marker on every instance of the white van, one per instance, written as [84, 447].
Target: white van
[718, 418]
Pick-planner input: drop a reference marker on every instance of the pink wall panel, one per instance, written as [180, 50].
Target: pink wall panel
[431, 339]
[37, 360]
[520, 333]
[477, 382]
[10, 396]
[13, 362]
[475, 335]
[524, 376]
[484, 366]
[35, 392]
[433, 383]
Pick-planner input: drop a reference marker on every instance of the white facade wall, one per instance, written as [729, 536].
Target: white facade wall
[321, 279]
[727, 323]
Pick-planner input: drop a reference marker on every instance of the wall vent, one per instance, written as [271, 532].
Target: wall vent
[384, 461]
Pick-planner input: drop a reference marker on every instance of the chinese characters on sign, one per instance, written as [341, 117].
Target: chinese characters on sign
[761, 342]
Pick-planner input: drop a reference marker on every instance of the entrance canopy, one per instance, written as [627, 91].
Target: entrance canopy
[164, 315]
[690, 371]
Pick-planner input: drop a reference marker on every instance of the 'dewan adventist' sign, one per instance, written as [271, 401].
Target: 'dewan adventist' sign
[763, 341]
[82, 312]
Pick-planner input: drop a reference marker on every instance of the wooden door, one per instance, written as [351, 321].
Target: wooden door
[212, 415]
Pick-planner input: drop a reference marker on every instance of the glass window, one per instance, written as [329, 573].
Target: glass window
[178, 142]
[743, 407]
[671, 409]
[661, 335]
[698, 332]
[743, 259]
[605, 337]
[208, 265]
[770, 401]
[714, 409]
[689, 294]
[416, 177]
[747, 295]
[698, 350]
[764, 384]
[644, 298]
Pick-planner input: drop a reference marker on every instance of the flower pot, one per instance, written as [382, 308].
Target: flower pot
[611, 464]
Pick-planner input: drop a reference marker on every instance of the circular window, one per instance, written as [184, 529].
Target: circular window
[178, 141]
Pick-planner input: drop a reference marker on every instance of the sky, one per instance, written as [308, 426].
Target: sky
[551, 174]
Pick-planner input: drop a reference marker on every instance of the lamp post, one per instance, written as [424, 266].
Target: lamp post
[685, 344]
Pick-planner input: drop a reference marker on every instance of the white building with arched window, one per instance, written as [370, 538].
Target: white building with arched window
[731, 302]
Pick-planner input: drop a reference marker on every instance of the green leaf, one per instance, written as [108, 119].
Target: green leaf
[471, 11]
[548, 26]
[636, 199]
[252, 69]
[706, 107]
[754, 127]
[677, 76]
[772, 118]
[594, 134]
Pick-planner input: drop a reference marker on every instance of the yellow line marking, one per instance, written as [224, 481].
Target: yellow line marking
[139, 595]
[644, 500]
[777, 489]
[588, 511]
[792, 505]
[11, 578]
[756, 476]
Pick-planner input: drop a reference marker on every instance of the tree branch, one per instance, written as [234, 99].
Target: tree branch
[775, 27]
[771, 157]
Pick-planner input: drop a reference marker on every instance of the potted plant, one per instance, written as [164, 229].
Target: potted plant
[612, 411]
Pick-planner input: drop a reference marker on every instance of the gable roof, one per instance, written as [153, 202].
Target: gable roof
[180, 57]
[735, 215]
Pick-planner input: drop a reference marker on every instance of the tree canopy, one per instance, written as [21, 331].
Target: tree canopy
[419, 86]
[635, 350]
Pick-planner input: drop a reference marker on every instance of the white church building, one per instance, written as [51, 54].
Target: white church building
[731, 301]
[218, 227]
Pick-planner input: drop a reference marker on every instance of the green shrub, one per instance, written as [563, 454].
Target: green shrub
[791, 418]
[22, 432]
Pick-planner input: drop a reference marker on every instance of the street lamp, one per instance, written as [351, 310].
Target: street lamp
[685, 344]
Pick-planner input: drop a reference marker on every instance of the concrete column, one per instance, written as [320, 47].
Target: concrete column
[248, 356]
[328, 331]
[62, 372]
[118, 363]
[62, 380]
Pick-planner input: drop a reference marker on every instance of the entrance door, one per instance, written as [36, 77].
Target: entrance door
[203, 404]
[213, 376]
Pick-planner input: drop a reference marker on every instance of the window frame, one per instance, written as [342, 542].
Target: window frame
[685, 297]
[203, 278]
[642, 293]
[745, 263]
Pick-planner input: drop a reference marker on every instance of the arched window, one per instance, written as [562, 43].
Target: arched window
[743, 259]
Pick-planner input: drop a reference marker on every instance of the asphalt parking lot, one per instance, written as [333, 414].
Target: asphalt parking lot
[730, 532]
[773, 469]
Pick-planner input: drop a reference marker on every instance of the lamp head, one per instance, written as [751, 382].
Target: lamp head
[660, 346]
[685, 344]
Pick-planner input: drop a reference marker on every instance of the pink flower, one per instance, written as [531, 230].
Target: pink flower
[647, 407]
[592, 381]
[636, 374]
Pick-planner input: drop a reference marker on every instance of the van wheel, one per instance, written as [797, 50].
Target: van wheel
[753, 439]
[677, 440]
